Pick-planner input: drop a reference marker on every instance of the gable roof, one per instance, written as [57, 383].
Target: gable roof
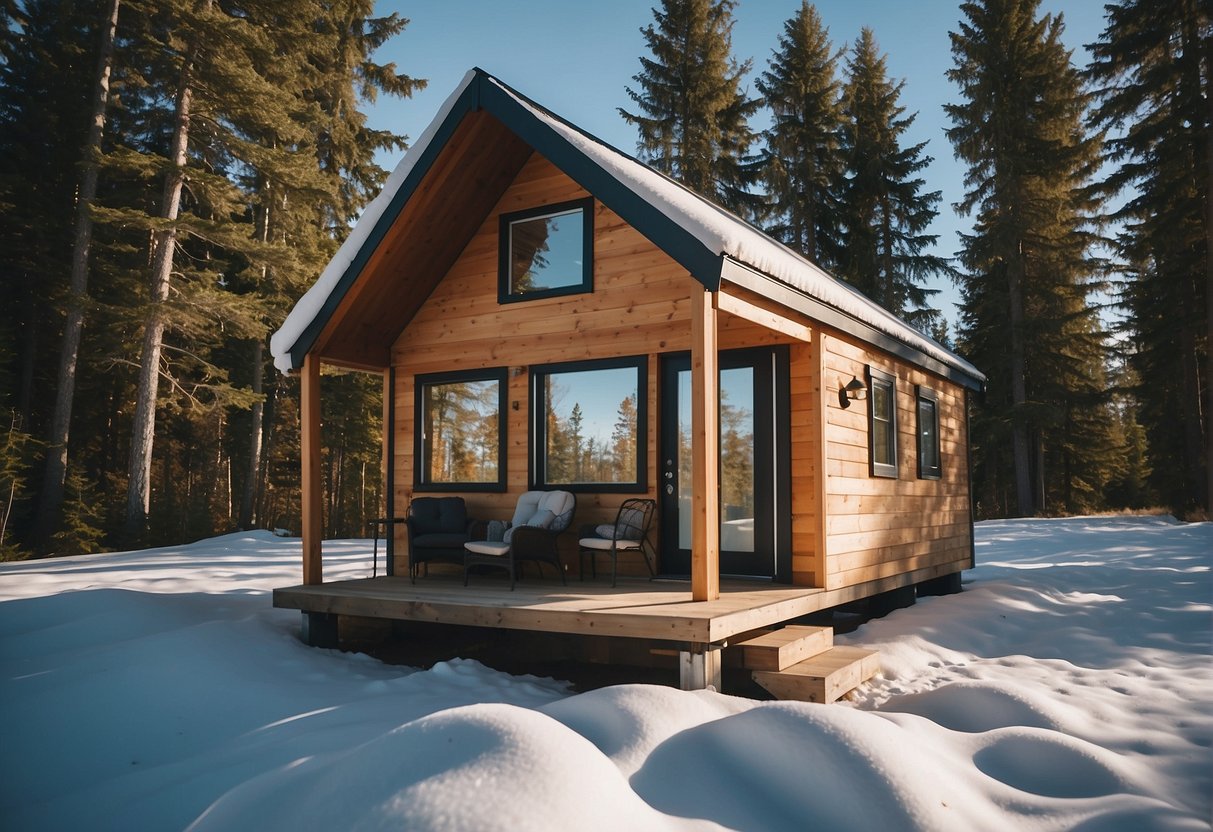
[709, 242]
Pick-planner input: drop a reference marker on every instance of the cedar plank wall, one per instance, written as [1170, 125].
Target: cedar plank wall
[640, 306]
[876, 527]
[879, 527]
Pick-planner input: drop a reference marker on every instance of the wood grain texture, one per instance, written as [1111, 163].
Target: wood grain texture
[310, 459]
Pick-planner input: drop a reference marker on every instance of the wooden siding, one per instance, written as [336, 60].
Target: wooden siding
[878, 527]
[848, 528]
[469, 175]
[640, 306]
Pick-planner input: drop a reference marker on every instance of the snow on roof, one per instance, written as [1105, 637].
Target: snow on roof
[716, 229]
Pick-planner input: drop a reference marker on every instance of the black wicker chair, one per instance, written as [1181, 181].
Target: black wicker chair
[539, 520]
[629, 533]
[438, 527]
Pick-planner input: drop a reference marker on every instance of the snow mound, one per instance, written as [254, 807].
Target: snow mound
[513, 768]
[1069, 687]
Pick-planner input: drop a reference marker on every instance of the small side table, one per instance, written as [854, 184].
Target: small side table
[386, 523]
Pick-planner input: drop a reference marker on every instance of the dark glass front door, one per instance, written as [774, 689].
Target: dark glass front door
[753, 472]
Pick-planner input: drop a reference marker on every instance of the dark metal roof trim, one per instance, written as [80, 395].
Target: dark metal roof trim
[467, 102]
[782, 293]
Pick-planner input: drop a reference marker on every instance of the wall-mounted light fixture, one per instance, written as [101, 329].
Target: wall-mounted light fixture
[853, 390]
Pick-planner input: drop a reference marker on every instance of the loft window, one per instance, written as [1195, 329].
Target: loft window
[590, 425]
[929, 467]
[882, 423]
[460, 431]
[546, 252]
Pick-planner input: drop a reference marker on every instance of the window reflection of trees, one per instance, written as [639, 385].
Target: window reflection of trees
[462, 431]
[575, 457]
[528, 244]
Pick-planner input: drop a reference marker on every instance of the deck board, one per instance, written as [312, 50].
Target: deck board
[636, 608]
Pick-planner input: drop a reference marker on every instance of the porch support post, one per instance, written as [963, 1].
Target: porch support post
[699, 667]
[705, 448]
[309, 454]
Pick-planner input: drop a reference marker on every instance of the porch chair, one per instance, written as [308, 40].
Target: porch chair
[539, 519]
[438, 527]
[629, 533]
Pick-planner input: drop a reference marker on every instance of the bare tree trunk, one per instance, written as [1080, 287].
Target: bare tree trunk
[51, 496]
[138, 492]
[1208, 82]
[247, 498]
[1019, 393]
[261, 507]
[253, 474]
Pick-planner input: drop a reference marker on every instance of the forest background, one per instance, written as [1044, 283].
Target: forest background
[175, 173]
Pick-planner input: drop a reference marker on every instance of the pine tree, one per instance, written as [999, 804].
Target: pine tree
[692, 114]
[885, 214]
[55, 477]
[1025, 316]
[801, 163]
[1154, 67]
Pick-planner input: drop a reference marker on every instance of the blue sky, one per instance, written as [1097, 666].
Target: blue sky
[576, 58]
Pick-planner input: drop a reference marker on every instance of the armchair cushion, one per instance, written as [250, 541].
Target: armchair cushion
[496, 531]
[488, 547]
[438, 515]
[604, 544]
[440, 540]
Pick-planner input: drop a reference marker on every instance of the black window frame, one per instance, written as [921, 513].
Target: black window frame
[538, 425]
[927, 472]
[881, 469]
[506, 221]
[420, 382]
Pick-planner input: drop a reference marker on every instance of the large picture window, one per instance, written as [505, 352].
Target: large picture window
[460, 431]
[590, 425]
[929, 467]
[882, 423]
[547, 251]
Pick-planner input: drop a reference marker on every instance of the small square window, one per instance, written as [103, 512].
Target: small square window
[460, 431]
[882, 423]
[590, 425]
[546, 252]
[929, 467]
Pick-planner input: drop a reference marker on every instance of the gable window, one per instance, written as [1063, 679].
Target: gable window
[882, 423]
[590, 425]
[460, 431]
[545, 252]
[929, 467]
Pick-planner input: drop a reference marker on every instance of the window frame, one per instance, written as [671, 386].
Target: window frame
[420, 383]
[882, 469]
[926, 394]
[537, 475]
[504, 241]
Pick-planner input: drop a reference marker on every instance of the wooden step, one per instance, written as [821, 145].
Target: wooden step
[822, 678]
[780, 649]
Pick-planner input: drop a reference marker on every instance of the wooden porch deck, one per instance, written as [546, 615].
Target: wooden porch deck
[637, 608]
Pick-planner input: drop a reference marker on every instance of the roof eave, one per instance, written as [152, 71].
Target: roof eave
[782, 293]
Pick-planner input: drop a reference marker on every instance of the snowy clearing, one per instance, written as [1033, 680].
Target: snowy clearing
[1069, 687]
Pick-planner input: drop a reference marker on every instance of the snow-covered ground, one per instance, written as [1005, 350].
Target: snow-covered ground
[1069, 687]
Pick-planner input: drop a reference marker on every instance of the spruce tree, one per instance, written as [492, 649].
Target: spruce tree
[801, 163]
[885, 213]
[1025, 315]
[1153, 65]
[55, 477]
[692, 114]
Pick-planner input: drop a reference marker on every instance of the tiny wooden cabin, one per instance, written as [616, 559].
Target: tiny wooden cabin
[547, 312]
